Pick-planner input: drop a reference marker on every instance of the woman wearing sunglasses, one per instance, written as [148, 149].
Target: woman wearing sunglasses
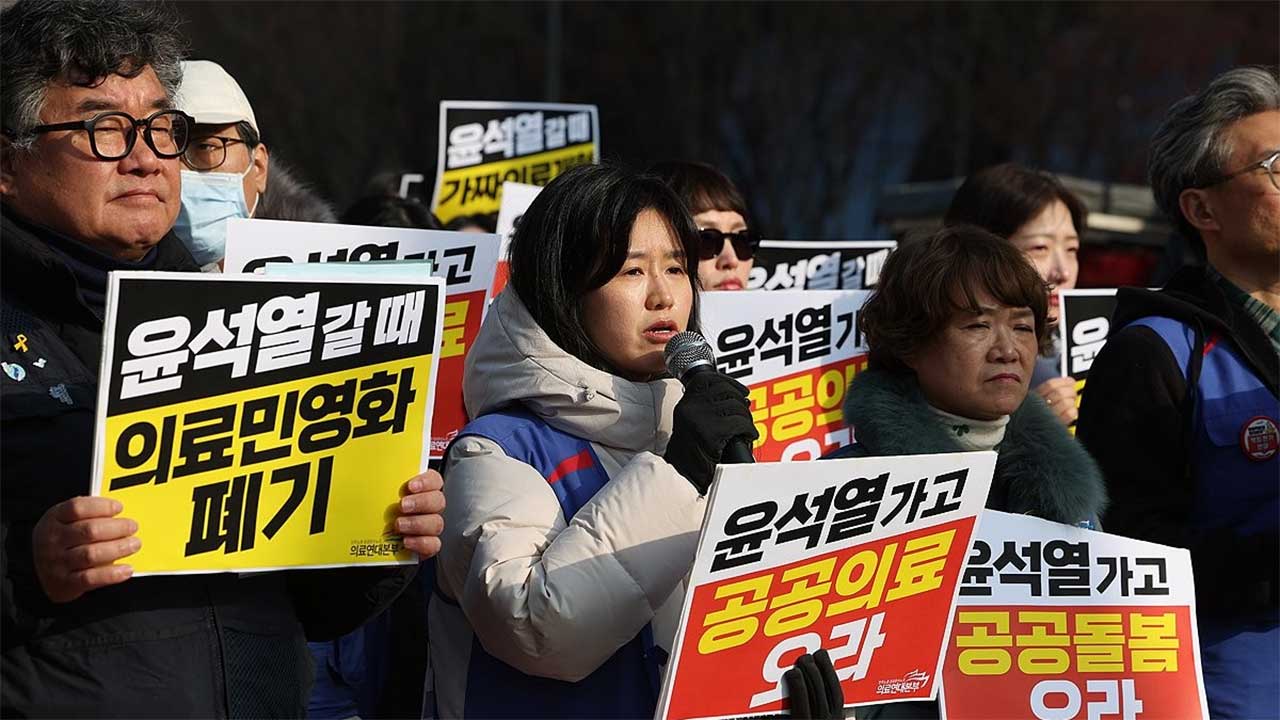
[727, 245]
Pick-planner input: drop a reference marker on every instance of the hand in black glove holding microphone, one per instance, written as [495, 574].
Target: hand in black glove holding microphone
[713, 419]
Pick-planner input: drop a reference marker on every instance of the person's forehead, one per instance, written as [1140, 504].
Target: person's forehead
[1256, 136]
[139, 94]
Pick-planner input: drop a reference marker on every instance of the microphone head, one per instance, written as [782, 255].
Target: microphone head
[685, 351]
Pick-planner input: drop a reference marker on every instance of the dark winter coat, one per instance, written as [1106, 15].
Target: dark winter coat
[218, 645]
[1168, 411]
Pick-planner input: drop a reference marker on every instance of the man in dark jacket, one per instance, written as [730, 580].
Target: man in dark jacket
[1181, 410]
[89, 182]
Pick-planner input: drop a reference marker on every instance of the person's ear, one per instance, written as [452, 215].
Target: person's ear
[1197, 207]
[261, 166]
[7, 171]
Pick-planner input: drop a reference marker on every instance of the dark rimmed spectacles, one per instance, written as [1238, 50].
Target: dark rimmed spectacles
[1269, 164]
[712, 240]
[208, 153]
[112, 134]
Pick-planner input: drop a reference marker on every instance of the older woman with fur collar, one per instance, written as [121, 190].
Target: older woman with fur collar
[954, 328]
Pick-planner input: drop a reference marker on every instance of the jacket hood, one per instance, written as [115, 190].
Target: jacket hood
[1041, 469]
[512, 361]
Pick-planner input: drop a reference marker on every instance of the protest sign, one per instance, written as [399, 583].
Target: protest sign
[860, 557]
[818, 265]
[466, 261]
[484, 144]
[516, 198]
[797, 353]
[1084, 322]
[1055, 622]
[248, 423]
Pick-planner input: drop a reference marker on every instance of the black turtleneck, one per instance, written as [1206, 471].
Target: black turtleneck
[89, 265]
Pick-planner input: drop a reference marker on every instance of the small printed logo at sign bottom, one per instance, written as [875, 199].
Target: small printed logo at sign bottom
[911, 682]
[383, 547]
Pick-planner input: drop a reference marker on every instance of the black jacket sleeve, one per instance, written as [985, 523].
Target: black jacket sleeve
[332, 603]
[1131, 422]
[1134, 420]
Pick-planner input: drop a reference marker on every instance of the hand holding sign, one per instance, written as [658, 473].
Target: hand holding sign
[76, 543]
[420, 521]
[1060, 395]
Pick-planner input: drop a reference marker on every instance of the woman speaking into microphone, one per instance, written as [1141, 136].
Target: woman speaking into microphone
[574, 497]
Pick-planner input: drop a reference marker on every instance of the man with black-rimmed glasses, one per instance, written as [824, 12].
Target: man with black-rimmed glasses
[90, 148]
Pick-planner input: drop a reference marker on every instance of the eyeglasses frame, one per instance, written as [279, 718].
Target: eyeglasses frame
[131, 139]
[225, 142]
[1268, 163]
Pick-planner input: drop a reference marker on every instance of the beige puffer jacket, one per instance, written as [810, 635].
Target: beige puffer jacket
[549, 597]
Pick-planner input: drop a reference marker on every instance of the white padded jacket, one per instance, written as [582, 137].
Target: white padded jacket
[553, 598]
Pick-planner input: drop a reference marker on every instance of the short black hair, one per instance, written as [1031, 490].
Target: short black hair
[1002, 198]
[701, 186]
[574, 238]
[390, 211]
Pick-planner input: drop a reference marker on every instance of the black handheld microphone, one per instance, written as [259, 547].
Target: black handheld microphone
[688, 354]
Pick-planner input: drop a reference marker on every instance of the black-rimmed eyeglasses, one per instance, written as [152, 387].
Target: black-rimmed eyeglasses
[208, 153]
[112, 134]
[1268, 164]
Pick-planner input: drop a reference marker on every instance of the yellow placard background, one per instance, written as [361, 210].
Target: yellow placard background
[453, 207]
[368, 473]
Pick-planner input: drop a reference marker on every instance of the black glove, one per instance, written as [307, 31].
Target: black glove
[713, 411]
[813, 688]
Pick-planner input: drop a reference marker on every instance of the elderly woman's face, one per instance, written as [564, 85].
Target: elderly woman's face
[980, 365]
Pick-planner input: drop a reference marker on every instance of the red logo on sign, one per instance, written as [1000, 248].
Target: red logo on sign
[1260, 439]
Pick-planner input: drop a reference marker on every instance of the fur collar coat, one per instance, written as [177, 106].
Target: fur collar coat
[1042, 470]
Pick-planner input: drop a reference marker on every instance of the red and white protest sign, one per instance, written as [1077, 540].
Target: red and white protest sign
[797, 352]
[859, 556]
[1056, 622]
[466, 261]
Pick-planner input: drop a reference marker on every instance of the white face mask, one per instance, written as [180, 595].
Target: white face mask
[209, 200]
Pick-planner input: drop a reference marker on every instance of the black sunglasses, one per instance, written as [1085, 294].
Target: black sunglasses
[744, 242]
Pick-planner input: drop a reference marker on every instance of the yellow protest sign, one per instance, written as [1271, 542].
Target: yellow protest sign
[249, 423]
[484, 144]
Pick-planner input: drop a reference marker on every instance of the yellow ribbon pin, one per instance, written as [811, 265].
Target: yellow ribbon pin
[21, 345]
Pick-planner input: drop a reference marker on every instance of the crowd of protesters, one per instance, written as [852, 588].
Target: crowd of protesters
[544, 599]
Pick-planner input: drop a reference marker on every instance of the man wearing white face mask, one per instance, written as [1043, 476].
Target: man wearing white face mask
[225, 166]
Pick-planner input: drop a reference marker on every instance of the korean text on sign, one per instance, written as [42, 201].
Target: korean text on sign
[860, 557]
[240, 412]
[797, 352]
[1057, 622]
[485, 144]
[466, 262]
